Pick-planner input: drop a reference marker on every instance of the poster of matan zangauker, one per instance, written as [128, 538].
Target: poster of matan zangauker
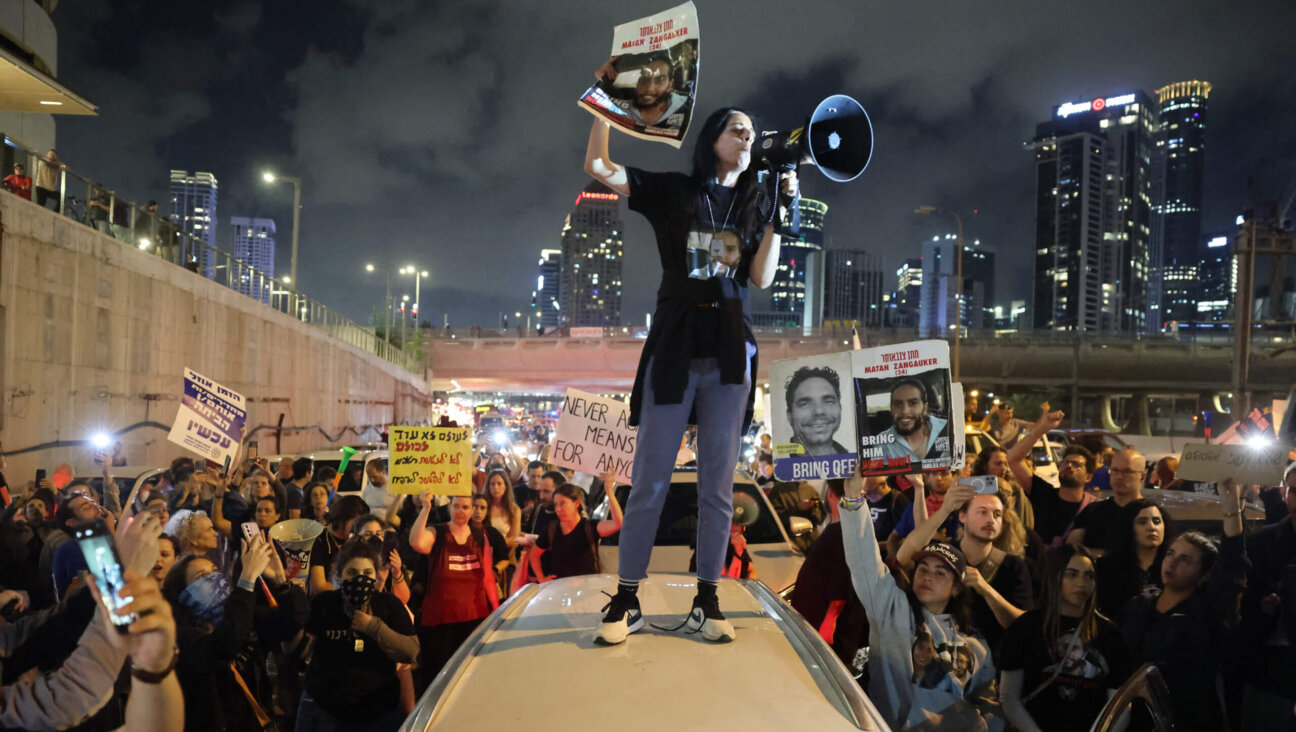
[812, 417]
[905, 412]
[652, 87]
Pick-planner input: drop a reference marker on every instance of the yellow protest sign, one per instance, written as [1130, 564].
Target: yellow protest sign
[437, 459]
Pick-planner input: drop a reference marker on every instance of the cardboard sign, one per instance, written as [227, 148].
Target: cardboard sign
[594, 436]
[812, 417]
[211, 418]
[1245, 464]
[436, 459]
[906, 408]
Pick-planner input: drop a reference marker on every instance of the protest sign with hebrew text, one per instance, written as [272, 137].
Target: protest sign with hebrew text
[210, 420]
[436, 459]
[1245, 464]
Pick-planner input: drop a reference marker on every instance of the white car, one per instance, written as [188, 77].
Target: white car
[775, 557]
[533, 665]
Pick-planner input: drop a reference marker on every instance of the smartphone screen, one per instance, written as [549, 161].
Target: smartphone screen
[101, 556]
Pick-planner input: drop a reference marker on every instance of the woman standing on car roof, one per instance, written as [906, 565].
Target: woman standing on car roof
[716, 234]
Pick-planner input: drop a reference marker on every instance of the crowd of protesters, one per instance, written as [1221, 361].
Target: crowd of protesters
[240, 634]
[1020, 604]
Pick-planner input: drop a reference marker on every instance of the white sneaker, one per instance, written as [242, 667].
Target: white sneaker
[705, 617]
[623, 618]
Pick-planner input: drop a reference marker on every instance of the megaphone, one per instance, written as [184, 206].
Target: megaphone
[745, 509]
[297, 534]
[837, 139]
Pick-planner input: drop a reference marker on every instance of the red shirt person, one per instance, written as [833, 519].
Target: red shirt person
[19, 182]
[460, 585]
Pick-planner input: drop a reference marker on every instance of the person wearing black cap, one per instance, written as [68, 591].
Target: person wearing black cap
[926, 665]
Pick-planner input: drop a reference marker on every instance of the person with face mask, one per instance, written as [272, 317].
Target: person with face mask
[360, 634]
[215, 624]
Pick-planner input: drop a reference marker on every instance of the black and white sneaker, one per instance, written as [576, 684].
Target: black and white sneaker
[706, 618]
[623, 618]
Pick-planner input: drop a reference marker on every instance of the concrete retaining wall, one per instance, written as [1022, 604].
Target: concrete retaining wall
[96, 335]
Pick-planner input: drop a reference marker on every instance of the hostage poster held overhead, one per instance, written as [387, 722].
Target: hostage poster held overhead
[654, 88]
[210, 420]
[905, 409]
[812, 417]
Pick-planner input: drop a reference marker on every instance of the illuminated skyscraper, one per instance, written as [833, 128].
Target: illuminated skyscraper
[853, 287]
[939, 287]
[1093, 165]
[193, 207]
[590, 288]
[546, 300]
[796, 297]
[1178, 165]
[254, 245]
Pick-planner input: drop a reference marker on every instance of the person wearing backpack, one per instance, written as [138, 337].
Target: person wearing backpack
[573, 538]
[460, 585]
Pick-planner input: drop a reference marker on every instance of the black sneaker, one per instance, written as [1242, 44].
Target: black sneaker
[705, 617]
[623, 618]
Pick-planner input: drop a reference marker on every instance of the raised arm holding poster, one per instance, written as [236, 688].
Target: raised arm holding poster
[905, 409]
[649, 85]
[436, 459]
[812, 417]
[210, 420]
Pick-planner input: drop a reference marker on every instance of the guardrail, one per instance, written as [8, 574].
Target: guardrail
[89, 202]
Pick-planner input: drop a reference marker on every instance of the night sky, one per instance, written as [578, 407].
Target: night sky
[446, 134]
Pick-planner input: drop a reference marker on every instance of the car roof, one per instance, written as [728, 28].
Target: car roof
[778, 674]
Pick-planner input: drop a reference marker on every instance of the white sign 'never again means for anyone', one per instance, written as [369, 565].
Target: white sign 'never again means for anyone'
[594, 436]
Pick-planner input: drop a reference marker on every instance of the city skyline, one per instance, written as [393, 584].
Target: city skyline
[949, 121]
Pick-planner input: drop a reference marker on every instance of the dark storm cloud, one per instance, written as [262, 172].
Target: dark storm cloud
[446, 134]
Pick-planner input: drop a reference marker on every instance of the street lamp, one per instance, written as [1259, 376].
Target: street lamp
[418, 278]
[371, 268]
[270, 177]
[404, 312]
[958, 312]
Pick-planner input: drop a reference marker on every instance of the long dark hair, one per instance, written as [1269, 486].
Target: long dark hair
[1126, 546]
[752, 200]
[1058, 560]
[959, 607]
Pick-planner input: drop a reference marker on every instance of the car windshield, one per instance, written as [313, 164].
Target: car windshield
[678, 525]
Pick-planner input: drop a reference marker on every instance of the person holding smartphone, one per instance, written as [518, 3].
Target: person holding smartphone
[215, 622]
[76, 689]
[992, 541]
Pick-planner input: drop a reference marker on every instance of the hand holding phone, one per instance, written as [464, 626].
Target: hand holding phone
[106, 567]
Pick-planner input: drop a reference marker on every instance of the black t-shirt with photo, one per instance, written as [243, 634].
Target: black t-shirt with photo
[1102, 522]
[1052, 514]
[350, 676]
[699, 247]
[1074, 699]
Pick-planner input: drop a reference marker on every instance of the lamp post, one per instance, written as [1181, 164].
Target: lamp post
[418, 278]
[958, 311]
[404, 304]
[387, 331]
[270, 177]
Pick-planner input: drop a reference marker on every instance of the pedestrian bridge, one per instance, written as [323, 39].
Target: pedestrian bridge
[1081, 366]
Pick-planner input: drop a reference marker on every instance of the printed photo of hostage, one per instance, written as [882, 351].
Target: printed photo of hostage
[813, 431]
[648, 87]
[905, 423]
